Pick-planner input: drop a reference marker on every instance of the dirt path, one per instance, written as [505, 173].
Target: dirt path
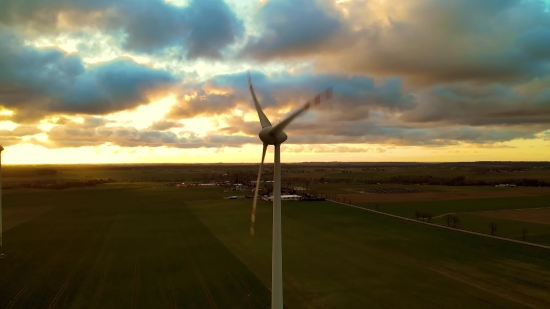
[444, 227]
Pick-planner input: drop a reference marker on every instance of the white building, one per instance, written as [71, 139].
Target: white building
[292, 197]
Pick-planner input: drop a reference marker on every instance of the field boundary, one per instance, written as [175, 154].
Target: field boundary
[495, 210]
[442, 226]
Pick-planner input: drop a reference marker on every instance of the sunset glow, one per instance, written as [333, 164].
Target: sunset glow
[166, 81]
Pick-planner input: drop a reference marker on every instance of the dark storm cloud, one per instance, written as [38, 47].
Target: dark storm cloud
[422, 41]
[35, 82]
[213, 26]
[291, 28]
[44, 14]
[452, 41]
[380, 133]
[203, 27]
[353, 97]
[474, 105]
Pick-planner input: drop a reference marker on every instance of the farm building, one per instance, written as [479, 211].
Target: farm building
[292, 197]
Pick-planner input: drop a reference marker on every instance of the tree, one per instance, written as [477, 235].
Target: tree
[417, 214]
[524, 233]
[455, 221]
[493, 228]
[448, 218]
[429, 216]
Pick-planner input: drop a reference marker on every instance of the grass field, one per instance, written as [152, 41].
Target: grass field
[151, 246]
[120, 247]
[339, 257]
[436, 208]
[472, 218]
[473, 221]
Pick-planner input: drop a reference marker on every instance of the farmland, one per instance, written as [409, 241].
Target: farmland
[338, 257]
[119, 247]
[137, 243]
[537, 215]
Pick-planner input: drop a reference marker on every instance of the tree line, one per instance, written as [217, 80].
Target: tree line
[433, 181]
[54, 184]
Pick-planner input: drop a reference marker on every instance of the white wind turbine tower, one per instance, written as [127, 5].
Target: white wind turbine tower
[274, 135]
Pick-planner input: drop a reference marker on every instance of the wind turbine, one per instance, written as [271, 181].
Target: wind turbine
[274, 135]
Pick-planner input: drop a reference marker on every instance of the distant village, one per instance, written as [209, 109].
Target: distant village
[245, 190]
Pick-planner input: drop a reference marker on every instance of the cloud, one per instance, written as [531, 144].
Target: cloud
[12, 137]
[163, 125]
[307, 135]
[418, 72]
[424, 42]
[354, 97]
[202, 27]
[76, 134]
[213, 26]
[379, 132]
[481, 105]
[430, 41]
[20, 131]
[292, 28]
[35, 82]
[324, 149]
[377, 112]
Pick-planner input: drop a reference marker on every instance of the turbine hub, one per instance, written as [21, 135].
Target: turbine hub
[270, 139]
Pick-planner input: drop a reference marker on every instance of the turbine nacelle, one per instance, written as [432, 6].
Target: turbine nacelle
[271, 138]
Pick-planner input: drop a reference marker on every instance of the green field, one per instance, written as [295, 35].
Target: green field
[347, 188]
[436, 208]
[339, 257]
[465, 210]
[536, 232]
[150, 246]
[120, 247]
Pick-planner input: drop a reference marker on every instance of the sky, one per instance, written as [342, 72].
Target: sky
[165, 81]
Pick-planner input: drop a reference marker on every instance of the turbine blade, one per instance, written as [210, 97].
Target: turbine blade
[282, 125]
[263, 118]
[253, 217]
